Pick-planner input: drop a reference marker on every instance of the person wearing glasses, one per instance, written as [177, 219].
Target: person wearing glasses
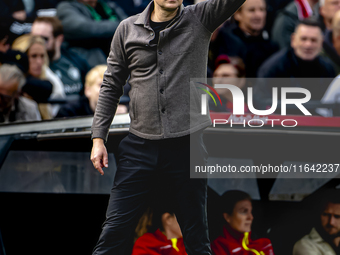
[12, 106]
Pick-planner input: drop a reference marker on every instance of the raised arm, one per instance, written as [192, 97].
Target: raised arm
[212, 13]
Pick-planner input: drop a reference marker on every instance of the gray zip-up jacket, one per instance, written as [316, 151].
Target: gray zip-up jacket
[164, 103]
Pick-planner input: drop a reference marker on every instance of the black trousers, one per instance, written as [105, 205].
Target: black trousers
[156, 169]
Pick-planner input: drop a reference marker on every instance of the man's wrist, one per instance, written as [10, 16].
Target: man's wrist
[98, 141]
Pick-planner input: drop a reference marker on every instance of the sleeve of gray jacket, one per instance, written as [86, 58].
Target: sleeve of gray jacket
[212, 13]
[112, 87]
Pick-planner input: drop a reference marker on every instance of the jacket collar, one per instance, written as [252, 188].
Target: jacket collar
[144, 17]
[315, 236]
[231, 233]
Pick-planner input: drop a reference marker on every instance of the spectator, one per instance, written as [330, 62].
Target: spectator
[229, 70]
[302, 60]
[40, 77]
[251, 19]
[13, 14]
[273, 7]
[86, 105]
[328, 8]
[224, 43]
[133, 7]
[12, 10]
[331, 44]
[12, 106]
[43, 8]
[7, 55]
[324, 237]
[69, 67]
[14, 57]
[288, 18]
[237, 213]
[163, 235]
[89, 26]
[332, 96]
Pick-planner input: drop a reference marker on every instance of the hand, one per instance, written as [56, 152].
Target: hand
[99, 155]
[121, 109]
[19, 15]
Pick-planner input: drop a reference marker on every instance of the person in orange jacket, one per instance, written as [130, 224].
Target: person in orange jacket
[237, 212]
[165, 240]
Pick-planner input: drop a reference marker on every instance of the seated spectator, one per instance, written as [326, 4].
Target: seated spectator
[289, 17]
[331, 44]
[332, 96]
[273, 7]
[42, 8]
[34, 88]
[89, 26]
[69, 67]
[163, 235]
[13, 13]
[237, 213]
[40, 77]
[12, 10]
[251, 19]
[86, 105]
[12, 106]
[223, 42]
[328, 8]
[14, 57]
[229, 70]
[324, 238]
[302, 60]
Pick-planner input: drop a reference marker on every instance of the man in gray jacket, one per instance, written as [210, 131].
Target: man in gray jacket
[161, 49]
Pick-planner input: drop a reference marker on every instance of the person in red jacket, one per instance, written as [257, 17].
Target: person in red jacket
[237, 212]
[165, 240]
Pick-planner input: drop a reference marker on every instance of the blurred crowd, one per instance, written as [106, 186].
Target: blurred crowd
[158, 230]
[59, 48]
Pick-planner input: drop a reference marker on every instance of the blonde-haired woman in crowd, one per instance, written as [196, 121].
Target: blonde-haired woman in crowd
[35, 48]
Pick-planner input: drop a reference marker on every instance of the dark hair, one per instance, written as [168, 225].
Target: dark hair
[151, 220]
[235, 61]
[328, 196]
[240, 9]
[230, 198]
[311, 21]
[157, 217]
[55, 22]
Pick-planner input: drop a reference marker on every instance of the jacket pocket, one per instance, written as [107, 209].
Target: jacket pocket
[180, 41]
[133, 105]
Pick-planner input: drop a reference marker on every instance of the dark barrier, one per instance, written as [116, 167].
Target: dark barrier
[53, 201]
